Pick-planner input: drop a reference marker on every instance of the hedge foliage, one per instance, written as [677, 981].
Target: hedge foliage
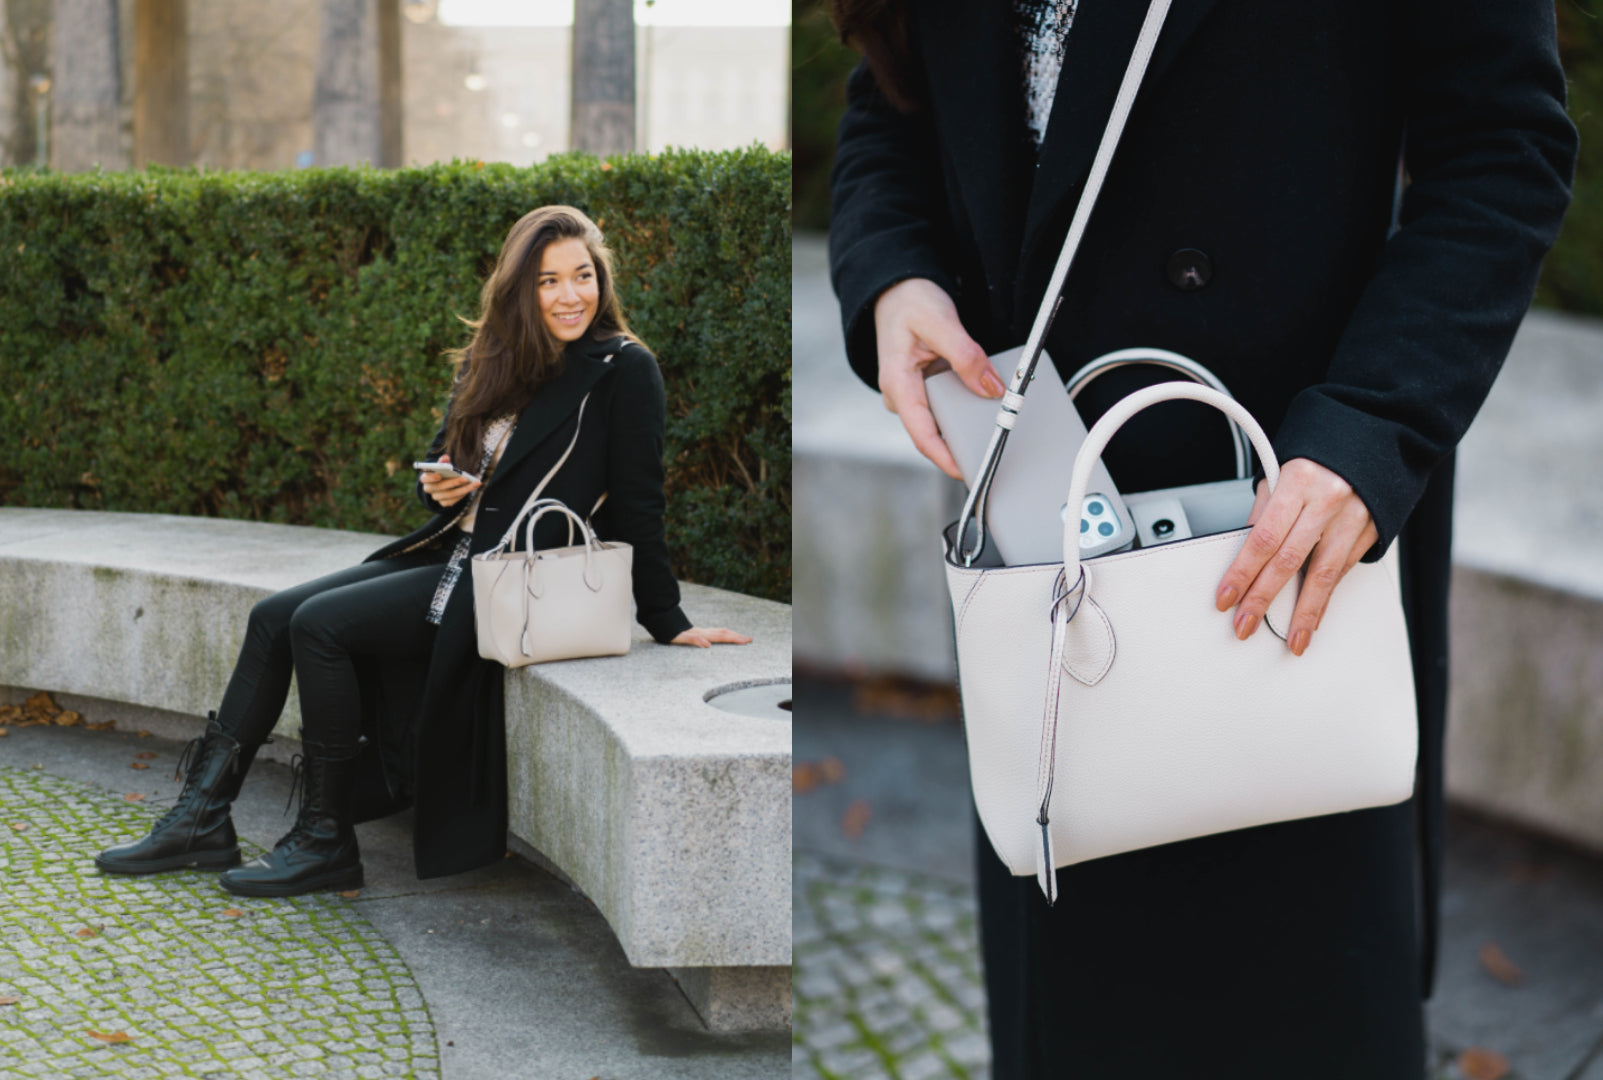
[1572, 276]
[269, 346]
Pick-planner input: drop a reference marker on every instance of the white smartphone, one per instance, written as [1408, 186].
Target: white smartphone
[1026, 513]
[443, 468]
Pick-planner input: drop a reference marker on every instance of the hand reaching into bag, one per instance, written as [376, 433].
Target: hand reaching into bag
[1314, 517]
[917, 327]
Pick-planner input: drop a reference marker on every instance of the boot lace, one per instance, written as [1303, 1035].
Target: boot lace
[190, 765]
[298, 781]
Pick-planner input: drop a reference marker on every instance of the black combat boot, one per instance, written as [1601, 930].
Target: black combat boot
[198, 830]
[320, 852]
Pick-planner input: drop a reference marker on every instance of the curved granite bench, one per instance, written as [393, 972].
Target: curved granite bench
[670, 814]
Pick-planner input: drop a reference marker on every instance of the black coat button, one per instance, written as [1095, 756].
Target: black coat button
[1190, 269]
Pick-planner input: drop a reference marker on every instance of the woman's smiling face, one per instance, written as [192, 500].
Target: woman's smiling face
[569, 289]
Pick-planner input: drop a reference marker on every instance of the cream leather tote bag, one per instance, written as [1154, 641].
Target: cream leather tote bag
[1109, 707]
[562, 603]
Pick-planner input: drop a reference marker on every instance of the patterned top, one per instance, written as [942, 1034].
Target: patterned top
[1042, 29]
[494, 435]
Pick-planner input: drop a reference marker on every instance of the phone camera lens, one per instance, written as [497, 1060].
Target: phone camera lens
[1095, 509]
[1085, 526]
[1162, 527]
[1106, 528]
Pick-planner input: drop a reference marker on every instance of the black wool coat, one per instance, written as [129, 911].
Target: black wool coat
[1253, 219]
[436, 732]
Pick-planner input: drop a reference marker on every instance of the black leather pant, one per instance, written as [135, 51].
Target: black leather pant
[313, 629]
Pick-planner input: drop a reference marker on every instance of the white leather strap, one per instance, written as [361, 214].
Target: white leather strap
[534, 496]
[1134, 72]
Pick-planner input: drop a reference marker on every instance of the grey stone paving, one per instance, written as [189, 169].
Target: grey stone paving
[167, 975]
[887, 976]
[523, 978]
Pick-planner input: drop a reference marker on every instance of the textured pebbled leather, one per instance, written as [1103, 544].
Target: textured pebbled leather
[1189, 731]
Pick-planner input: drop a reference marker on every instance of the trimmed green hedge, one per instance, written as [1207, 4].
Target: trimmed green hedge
[269, 346]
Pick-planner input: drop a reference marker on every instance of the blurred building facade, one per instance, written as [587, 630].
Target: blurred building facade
[492, 93]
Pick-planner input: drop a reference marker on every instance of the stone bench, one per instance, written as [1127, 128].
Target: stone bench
[1526, 706]
[671, 814]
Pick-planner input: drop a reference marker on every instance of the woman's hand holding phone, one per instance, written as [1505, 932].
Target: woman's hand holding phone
[447, 490]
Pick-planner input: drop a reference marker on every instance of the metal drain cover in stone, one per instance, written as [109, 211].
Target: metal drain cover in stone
[168, 975]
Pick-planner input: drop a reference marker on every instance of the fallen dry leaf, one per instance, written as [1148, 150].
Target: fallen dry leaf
[68, 719]
[10, 714]
[856, 818]
[134, 796]
[88, 931]
[146, 755]
[232, 913]
[104, 725]
[137, 765]
[905, 698]
[1528, 871]
[832, 769]
[4, 731]
[804, 777]
[142, 734]
[111, 1036]
[42, 702]
[20, 826]
[1499, 966]
[350, 894]
[1479, 1063]
[9, 1000]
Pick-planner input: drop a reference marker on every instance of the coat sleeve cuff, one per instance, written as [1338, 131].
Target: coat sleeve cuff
[664, 626]
[867, 269]
[1370, 453]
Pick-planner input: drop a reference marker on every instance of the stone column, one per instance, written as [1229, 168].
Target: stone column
[603, 119]
[15, 106]
[356, 109]
[161, 82]
[85, 87]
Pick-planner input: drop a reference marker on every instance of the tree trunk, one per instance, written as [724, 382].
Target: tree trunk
[161, 82]
[603, 77]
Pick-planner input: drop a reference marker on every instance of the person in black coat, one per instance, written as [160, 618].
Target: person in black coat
[1338, 208]
[397, 706]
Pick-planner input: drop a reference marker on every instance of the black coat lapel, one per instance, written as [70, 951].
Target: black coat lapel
[978, 107]
[553, 403]
[1099, 46]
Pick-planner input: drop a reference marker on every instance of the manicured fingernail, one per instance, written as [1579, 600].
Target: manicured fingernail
[993, 384]
[1299, 641]
[1245, 625]
[1228, 596]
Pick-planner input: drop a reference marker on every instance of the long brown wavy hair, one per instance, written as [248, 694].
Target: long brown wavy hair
[882, 31]
[512, 353]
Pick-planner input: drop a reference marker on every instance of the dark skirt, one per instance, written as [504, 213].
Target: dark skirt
[1284, 950]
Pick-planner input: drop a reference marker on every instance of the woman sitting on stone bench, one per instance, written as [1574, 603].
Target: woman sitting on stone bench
[396, 704]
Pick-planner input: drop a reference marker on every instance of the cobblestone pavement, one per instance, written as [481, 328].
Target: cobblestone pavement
[167, 975]
[887, 976]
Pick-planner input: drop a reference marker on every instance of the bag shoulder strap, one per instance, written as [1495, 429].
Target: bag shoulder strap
[1013, 400]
